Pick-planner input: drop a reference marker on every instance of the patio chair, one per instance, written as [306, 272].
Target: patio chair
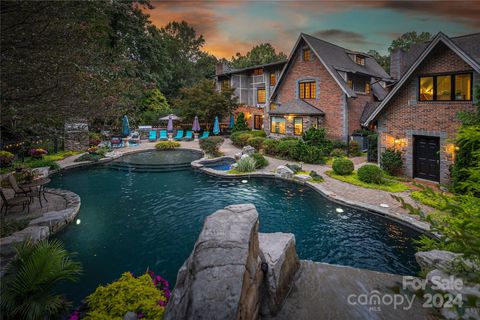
[205, 135]
[117, 142]
[188, 135]
[152, 136]
[135, 138]
[163, 135]
[22, 192]
[179, 135]
[16, 201]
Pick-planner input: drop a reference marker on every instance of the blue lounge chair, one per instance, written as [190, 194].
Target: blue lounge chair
[152, 136]
[179, 135]
[163, 135]
[189, 135]
[205, 135]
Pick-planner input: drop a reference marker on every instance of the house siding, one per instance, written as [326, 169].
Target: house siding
[404, 116]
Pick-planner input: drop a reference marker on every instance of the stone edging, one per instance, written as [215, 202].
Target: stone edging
[47, 224]
[317, 187]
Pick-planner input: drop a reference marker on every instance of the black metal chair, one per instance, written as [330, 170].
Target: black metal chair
[15, 201]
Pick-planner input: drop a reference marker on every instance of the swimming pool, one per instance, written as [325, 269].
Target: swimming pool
[132, 220]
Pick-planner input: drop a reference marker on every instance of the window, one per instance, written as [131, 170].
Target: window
[360, 60]
[225, 84]
[257, 122]
[367, 87]
[350, 83]
[273, 79]
[445, 87]
[261, 95]
[258, 72]
[307, 90]
[277, 125]
[298, 126]
[306, 54]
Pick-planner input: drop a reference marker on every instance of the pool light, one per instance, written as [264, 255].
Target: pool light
[78, 221]
[244, 181]
[339, 210]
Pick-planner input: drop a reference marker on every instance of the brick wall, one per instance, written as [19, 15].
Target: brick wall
[355, 110]
[405, 116]
[330, 97]
[249, 112]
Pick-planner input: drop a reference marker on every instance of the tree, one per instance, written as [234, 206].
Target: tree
[260, 54]
[240, 124]
[28, 286]
[206, 102]
[382, 60]
[406, 40]
[154, 106]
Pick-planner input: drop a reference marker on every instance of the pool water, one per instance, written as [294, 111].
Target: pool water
[131, 221]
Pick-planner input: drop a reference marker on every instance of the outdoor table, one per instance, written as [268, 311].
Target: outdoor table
[40, 184]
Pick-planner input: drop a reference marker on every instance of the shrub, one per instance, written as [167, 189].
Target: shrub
[256, 142]
[260, 161]
[318, 138]
[307, 153]
[289, 139]
[241, 123]
[342, 166]
[270, 146]
[6, 158]
[389, 185]
[466, 170]
[338, 153]
[60, 155]
[339, 144]
[89, 157]
[129, 293]
[294, 167]
[167, 145]
[373, 147]
[285, 148]
[315, 176]
[38, 163]
[354, 148]
[243, 139]
[246, 164]
[37, 153]
[211, 145]
[370, 173]
[391, 161]
[258, 133]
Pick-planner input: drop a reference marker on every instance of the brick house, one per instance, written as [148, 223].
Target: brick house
[324, 85]
[253, 87]
[436, 80]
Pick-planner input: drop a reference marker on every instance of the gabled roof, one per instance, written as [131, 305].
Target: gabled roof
[335, 59]
[474, 62]
[368, 109]
[265, 65]
[297, 106]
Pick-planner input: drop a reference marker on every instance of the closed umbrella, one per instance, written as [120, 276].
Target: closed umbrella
[232, 122]
[196, 125]
[125, 126]
[170, 124]
[216, 126]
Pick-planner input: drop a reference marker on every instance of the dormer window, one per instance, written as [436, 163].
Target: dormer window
[306, 54]
[359, 59]
[258, 72]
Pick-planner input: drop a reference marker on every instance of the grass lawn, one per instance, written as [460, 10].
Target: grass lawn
[390, 186]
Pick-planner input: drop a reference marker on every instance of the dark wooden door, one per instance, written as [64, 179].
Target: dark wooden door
[426, 158]
[257, 122]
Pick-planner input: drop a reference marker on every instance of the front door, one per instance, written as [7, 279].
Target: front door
[257, 122]
[426, 157]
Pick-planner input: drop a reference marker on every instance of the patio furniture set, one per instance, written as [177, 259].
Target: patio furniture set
[25, 193]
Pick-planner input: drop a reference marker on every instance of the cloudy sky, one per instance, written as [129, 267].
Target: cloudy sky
[236, 26]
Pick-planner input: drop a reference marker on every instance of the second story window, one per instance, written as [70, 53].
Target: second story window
[367, 87]
[258, 72]
[273, 79]
[307, 90]
[261, 98]
[350, 83]
[306, 54]
[360, 60]
[445, 87]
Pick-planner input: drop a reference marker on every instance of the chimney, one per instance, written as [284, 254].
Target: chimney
[397, 63]
[222, 67]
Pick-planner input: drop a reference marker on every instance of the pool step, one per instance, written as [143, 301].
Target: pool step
[123, 166]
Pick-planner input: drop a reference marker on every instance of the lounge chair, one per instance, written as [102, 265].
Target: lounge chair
[16, 201]
[205, 135]
[152, 136]
[163, 135]
[189, 135]
[179, 135]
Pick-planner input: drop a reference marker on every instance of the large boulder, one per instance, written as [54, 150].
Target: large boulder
[248, 150]
[436, 259]
[277, 251]
[222, 277]
[284, 172]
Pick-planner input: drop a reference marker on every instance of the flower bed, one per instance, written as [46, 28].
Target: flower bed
[389, 185]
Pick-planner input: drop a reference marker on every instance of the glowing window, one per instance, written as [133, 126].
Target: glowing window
[426, 88]
[367, 87]
[261, 95]
[298, 126]
[273, 79]
[306, 54]
[307, 90]
[277, 125]
[463, 87]
[444, 88]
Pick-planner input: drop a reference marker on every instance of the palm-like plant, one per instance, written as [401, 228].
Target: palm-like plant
[28, 287]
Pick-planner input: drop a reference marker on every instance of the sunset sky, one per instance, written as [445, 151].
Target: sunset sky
[236, 26]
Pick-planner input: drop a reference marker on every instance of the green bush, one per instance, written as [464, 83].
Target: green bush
[294, 167]
[256, 142]
[167, 145]
[318, 138]
[270, 146]
[373, 147]
[289, 139]
[258, 133]
[389, 185]
[307, 153]
[260, 161]
[391, 161]
[6, 158]
[126, 294]
[315, 176]
[38, 163]
[466, 170]
[89, 157]
[339, 144]
[285, 148]
[60, 155]
[211, 145]
[342, 166]
[241, 124]
[370, 173]
[338, 153]
[354, 148]
[246, 164]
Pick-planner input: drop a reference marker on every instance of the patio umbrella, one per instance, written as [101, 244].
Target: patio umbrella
[196, 125]
[125, 126]
[170, 123]
[171, 115]
[216, 126]
[232, 122]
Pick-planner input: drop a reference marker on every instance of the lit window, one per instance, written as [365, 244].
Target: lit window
[444, 87]
[350, 83]
[307, 90]
[426, 88]
[277, 125]
[463, 87]
[360, 60]
[261, 95]
[367, 87]
[258, 72]
[225, 84]
[273, 79]
[298, 126]
[306, 54]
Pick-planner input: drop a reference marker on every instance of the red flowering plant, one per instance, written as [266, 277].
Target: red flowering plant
[37, 153]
